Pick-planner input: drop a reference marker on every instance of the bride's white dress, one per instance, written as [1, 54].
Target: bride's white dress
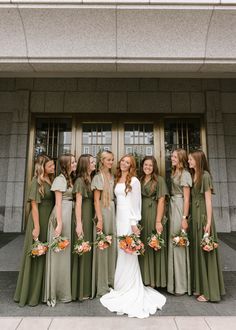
[130, 296]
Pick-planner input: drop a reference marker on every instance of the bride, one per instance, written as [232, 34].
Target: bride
[129, 296]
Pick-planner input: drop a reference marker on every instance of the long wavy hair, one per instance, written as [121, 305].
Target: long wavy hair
[154, 174]
[132, 172]
[82, 170]
[65, 168]
[201, 166]
[39, 171]
[106, 193]
[183, 161]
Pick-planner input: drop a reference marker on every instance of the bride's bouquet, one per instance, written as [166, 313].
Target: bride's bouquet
[81, 246]
[59, 244]
[181, 239]
[131, 244]
[208, 243]
[103, 241]
[155, 241]
[38, 248]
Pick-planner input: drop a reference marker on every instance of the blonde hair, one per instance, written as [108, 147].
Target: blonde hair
[65, 168]
[131, 173]
[106, 193]
[39, 172]
[183, 161]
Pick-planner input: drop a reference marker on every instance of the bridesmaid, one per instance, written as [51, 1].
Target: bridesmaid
[104, 261]
[58, 265]
[208, 282]
[82, 266]
[30, 280]
[178, 257]
[154, 192]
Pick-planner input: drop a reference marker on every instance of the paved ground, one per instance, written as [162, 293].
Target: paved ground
[178, 313]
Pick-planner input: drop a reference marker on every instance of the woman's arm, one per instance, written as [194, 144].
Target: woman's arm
[58, 229]
[97, 206]
[184, 223]
[160, 213]
[78, 214]
[208, 210]
[35, 216]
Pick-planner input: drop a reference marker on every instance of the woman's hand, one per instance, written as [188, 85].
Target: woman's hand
[159, 227]
[58, 230]
[35, 233]
[184, 224]
[99, 225]
[135, 230]
[79, 230]
[207, 229]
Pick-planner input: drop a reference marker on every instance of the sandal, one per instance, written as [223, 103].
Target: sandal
[202, 298]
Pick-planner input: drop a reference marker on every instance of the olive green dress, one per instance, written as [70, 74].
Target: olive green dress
[82, 265]
[153, 264]
[207, 276]
[29, 288]
[104, 261]
[58, 265]
[179, 280]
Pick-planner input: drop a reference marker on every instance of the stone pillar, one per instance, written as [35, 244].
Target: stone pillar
[14, 108]
[217, 160]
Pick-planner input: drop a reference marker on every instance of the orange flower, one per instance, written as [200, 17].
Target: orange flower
[122, 244]
[129, 240]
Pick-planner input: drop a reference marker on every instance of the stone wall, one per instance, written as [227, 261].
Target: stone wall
[215, 99]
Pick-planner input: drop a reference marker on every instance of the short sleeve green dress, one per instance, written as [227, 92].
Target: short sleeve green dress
[104, 261]
[82, 265]
[153, 264]
[58, 265]
[207, 278]
[179, 280]
[29, 288]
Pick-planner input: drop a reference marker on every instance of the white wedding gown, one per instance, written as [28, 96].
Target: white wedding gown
[130, 296]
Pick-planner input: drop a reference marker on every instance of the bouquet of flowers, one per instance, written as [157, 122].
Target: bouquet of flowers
[59, 244]
[208, 243]
[103, 241]
[38, 248]
[81, 246]
[155, 241]
[181, 239]
[131, 244]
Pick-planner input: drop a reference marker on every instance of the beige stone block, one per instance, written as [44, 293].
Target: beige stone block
[8, 101]
[3, 190]
[149, 84]
[216, 146]
[13, 219]
[211, 84]
[19, 128]
[17, 145]
[179, 84]
[148, 102]
[117, 102]
[3, 170]
[7, 84]
[5, 123]
[232, 212]
[35, 323]
[15, 194]
[9, 323]
[16, 169]
[70, 32]
[197, 102]
[221, 197]
[228, 85]
[4, 146]
[229, 124]
[213, 107]
[222, 219]
[55, 84]
[180, 102]
[228, 101]
[184, 323]
[54, 102]
[232, 193]
[215, 129]
[86, 102]
[118, 84]
[37, 102]
[24, 83]
[231, 166]
[220, 322]
[230, 146]
[87, 84]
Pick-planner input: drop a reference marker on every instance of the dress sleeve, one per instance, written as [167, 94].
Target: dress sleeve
[97, 182]
[207, 183]
[59, 184]
[186, 180]
[162, 190]
[135, 202]
[79, 187]
[34, 194]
